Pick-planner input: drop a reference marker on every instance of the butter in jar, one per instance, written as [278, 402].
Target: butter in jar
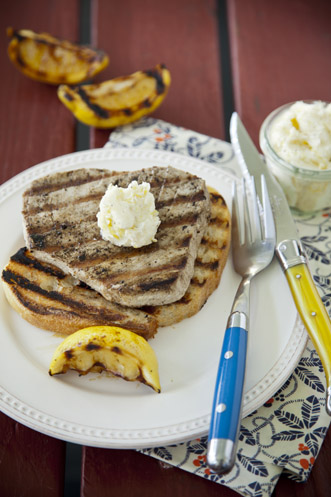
[296, 142]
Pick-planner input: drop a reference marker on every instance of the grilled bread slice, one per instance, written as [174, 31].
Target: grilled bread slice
[60, 226]
[209, 264]
[47, 298]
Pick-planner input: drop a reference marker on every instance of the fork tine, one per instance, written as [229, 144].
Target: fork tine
[256, 224]
[268, 219]
[237, 231]
[248, 228]
[252, 219]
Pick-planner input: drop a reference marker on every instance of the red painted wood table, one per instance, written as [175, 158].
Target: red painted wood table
[248, 56]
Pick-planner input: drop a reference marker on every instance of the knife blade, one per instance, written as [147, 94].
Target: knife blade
[289, 250]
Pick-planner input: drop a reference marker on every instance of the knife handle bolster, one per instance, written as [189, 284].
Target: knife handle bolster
[290, 253]
[313, 314]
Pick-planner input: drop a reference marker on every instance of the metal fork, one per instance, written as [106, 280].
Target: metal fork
[253, 245]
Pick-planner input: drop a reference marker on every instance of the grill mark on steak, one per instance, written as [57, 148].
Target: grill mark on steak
[142, 266]
[181, 199]
[43, 221]
[155, 182]
[42, 188]
[121, 257]
[141, 273]
[185, 300]
[97, 257]
[189, 220]
[57, 226]
[157, 285]
[51, 207]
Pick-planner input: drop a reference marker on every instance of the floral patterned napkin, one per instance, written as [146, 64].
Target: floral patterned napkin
[286, 433]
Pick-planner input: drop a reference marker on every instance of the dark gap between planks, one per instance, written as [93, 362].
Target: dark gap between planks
[83, 131]
[73, 460]
[225, 64]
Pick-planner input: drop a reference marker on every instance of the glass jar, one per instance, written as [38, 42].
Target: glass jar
[306, 189]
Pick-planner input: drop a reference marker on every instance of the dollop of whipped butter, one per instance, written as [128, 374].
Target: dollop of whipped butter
[302, 135]
[127, 216]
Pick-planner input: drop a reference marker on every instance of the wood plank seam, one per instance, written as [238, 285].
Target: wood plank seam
[225, 65]
[72, 472]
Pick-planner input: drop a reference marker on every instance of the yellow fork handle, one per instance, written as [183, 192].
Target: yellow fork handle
[314, 317]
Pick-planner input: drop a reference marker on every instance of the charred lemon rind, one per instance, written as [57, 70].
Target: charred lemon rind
[107, 348]
[118, 101]
[44, 58]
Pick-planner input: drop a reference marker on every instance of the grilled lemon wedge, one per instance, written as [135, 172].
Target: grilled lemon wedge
[117, 101]
[50, 60]
[108, 348]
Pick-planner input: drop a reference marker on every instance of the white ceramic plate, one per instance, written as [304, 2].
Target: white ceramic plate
[102, 411]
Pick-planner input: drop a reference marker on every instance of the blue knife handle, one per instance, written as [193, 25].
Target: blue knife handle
[226, 410]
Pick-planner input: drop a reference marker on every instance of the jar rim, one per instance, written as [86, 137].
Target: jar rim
[266, 146]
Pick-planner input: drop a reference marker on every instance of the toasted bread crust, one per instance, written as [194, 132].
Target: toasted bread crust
[47, 298]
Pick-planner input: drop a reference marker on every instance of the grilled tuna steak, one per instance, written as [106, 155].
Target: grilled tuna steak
[47, 298]
[60, 226]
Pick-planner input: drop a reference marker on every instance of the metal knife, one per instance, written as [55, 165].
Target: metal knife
[289, 250]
